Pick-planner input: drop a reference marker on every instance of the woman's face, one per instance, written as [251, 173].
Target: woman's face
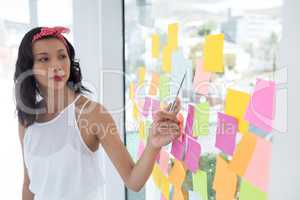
[51, 63]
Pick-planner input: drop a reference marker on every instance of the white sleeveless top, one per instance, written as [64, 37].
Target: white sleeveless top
[60, 165]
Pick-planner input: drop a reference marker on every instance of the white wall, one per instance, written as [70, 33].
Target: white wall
[285, 164]
[98, 41]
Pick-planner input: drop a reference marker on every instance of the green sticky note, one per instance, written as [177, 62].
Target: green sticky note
[201, 120]
[249, 192]
[200, 184]
[164, 87]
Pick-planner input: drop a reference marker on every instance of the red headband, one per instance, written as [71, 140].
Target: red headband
[55, 31]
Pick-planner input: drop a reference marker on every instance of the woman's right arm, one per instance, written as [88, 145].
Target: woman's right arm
[26, 193]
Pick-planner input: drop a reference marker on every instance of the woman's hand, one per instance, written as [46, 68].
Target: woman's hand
[165, 127]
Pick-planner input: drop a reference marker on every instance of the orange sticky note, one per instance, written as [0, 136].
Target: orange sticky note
[178, 194]
[243, 154]
[166, 59]
[173, 36]
[154, 85]
[213, 53]
[236, 104]
[177, 174]
[225, 181]
[155, 45]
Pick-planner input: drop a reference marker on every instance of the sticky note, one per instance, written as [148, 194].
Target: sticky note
[201, 79]
[164, 89]
[249, 192]
[135, 111]
[257, 131]
[178, 194]
[243, 154]
[213, 53]
[225, 181]
[189, 120]
[201, 121]
[177, 174]
[260, 111]
[157, 175]
[164, 161]
[165, 188]
[147, 125]
[141, 148]
[173, 35]
[131, 91]
[154, 84]
[141, 76]
[147, 106]
[179, 65]
[236, 104]
[177, 149]
[155, 45]
[166, 59]
[192, 155]
[257, 172]
[142, 130]
[226, 133]
[180, 119]
[155, 107]
[200, 184]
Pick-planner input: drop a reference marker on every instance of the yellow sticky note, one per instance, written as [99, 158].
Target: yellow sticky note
[154, 85]
[166, 59]
[141, 75]
[131, 91]
[173, 36]
[165, 187]
[225, 181]
[135, 112]
[213, 53]
[155, 45]
[142, 130]
[236, 104]
[177, 174]
[157, 175]
[243, 154]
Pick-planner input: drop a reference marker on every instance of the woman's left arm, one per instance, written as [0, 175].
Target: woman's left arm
[163, 130]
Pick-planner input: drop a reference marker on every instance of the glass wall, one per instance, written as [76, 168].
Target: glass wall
[252, 31]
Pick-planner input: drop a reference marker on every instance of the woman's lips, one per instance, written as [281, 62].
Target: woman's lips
[58, 78]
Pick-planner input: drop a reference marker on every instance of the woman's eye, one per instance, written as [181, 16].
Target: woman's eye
[62, 56]
[43, 59]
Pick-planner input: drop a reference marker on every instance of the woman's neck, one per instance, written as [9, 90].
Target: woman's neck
[56, 100]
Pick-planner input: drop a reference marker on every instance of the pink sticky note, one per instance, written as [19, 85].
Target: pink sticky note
[192, 155]
[190, 120]
[177, 149]
[257, 171]
[147, 105]
[164, 161]
[141, 149]
[201, 79]
[155, 106]
[260, 111]
[226, 133]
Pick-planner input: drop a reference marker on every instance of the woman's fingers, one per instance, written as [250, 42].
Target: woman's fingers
[164, 115]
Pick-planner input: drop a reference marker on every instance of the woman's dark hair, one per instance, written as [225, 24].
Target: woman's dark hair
[26, 86]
